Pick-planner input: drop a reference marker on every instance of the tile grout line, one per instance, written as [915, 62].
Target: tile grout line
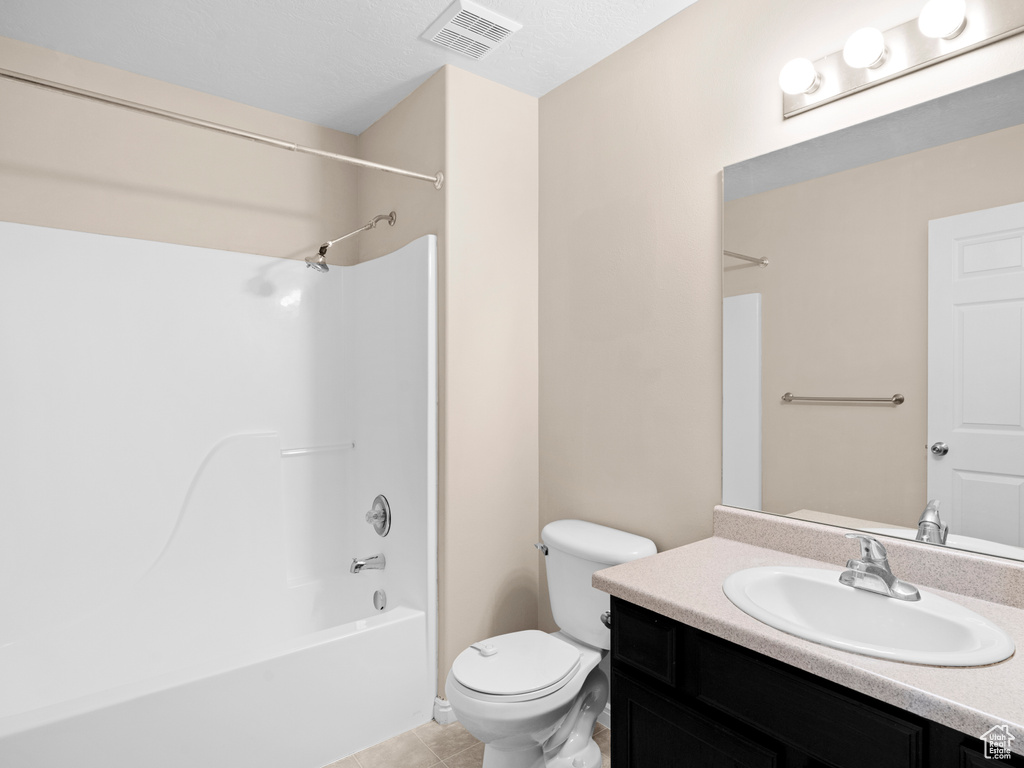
[444, 761]
[436, 756]
[458, 753]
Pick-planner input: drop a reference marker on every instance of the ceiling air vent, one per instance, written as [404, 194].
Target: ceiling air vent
[470, 29]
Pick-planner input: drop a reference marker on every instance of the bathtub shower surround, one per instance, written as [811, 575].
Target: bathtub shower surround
[193, 439]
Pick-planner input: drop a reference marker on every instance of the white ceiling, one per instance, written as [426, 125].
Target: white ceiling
[337, 63]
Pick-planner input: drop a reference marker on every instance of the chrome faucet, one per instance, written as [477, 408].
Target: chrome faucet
[375, 563]
[872, 572]
[930, 527]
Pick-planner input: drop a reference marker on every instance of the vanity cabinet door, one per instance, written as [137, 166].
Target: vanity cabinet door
[647, 642]
[682, 698]
[652, 731]
[831, 725]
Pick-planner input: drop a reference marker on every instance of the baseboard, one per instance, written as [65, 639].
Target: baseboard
[605, 718]
[443, 712]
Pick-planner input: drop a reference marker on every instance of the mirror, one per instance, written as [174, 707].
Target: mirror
[895, 266]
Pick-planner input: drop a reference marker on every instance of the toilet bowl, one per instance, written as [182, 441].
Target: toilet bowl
[532, 697]
[497, 706]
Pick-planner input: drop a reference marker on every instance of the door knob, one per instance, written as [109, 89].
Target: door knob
[940, 449]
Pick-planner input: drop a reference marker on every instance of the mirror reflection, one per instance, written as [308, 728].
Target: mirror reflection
[903, 276]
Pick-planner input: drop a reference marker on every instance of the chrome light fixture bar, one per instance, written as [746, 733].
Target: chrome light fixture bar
[906, 49]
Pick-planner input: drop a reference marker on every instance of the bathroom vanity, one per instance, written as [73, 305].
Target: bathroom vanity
[842, 257]
[681, 696]
[697, 682]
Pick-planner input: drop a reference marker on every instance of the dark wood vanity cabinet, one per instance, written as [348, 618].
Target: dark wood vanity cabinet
[682, 698]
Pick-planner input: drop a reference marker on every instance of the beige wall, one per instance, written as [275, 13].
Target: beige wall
[630, 314]
[484, 136]
[488, 562]
[845, 311]
[411, 136]
[74, 164]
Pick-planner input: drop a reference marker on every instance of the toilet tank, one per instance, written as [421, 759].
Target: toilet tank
[575, 550]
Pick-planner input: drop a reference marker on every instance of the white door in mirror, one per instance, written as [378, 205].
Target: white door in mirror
[976, 371]
[812, 604]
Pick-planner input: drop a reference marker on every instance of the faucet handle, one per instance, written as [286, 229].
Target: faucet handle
[871, 549]
[379, 516]
[930, 527]
[872, 571]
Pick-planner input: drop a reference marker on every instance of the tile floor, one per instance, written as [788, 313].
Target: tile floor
[441, 746]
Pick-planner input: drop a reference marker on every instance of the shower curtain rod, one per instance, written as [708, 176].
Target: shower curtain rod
[437, 179]
[762, 260]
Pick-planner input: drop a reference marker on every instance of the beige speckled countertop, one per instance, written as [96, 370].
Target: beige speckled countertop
[686, 584]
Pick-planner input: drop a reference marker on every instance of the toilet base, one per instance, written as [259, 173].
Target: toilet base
[572, 745]
[588, 757]
[523, 758]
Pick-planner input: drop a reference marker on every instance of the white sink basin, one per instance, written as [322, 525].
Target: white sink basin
[812, 604]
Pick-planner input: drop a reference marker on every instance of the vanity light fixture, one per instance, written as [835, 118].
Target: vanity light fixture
[799, 76]
[944, 29]
[943, 19]
[865, 49]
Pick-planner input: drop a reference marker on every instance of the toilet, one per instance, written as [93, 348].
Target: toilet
[531, 697]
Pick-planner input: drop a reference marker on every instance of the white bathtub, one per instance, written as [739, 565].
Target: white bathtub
[217, 657]
[302, 704]
[185, 480]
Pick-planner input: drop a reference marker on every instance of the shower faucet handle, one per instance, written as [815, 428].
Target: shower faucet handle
[379, 516]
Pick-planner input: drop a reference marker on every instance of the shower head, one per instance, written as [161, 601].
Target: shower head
[319, 262]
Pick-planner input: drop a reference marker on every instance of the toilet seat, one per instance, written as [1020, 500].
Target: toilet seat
[519, 666]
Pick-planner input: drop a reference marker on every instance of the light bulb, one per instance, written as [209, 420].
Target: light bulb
[865, 49]
[799, 76]
[943, 18]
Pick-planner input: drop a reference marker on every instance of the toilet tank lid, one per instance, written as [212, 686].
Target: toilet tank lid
[596, 542]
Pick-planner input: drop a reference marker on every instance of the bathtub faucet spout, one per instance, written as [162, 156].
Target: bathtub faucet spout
[375, 563]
